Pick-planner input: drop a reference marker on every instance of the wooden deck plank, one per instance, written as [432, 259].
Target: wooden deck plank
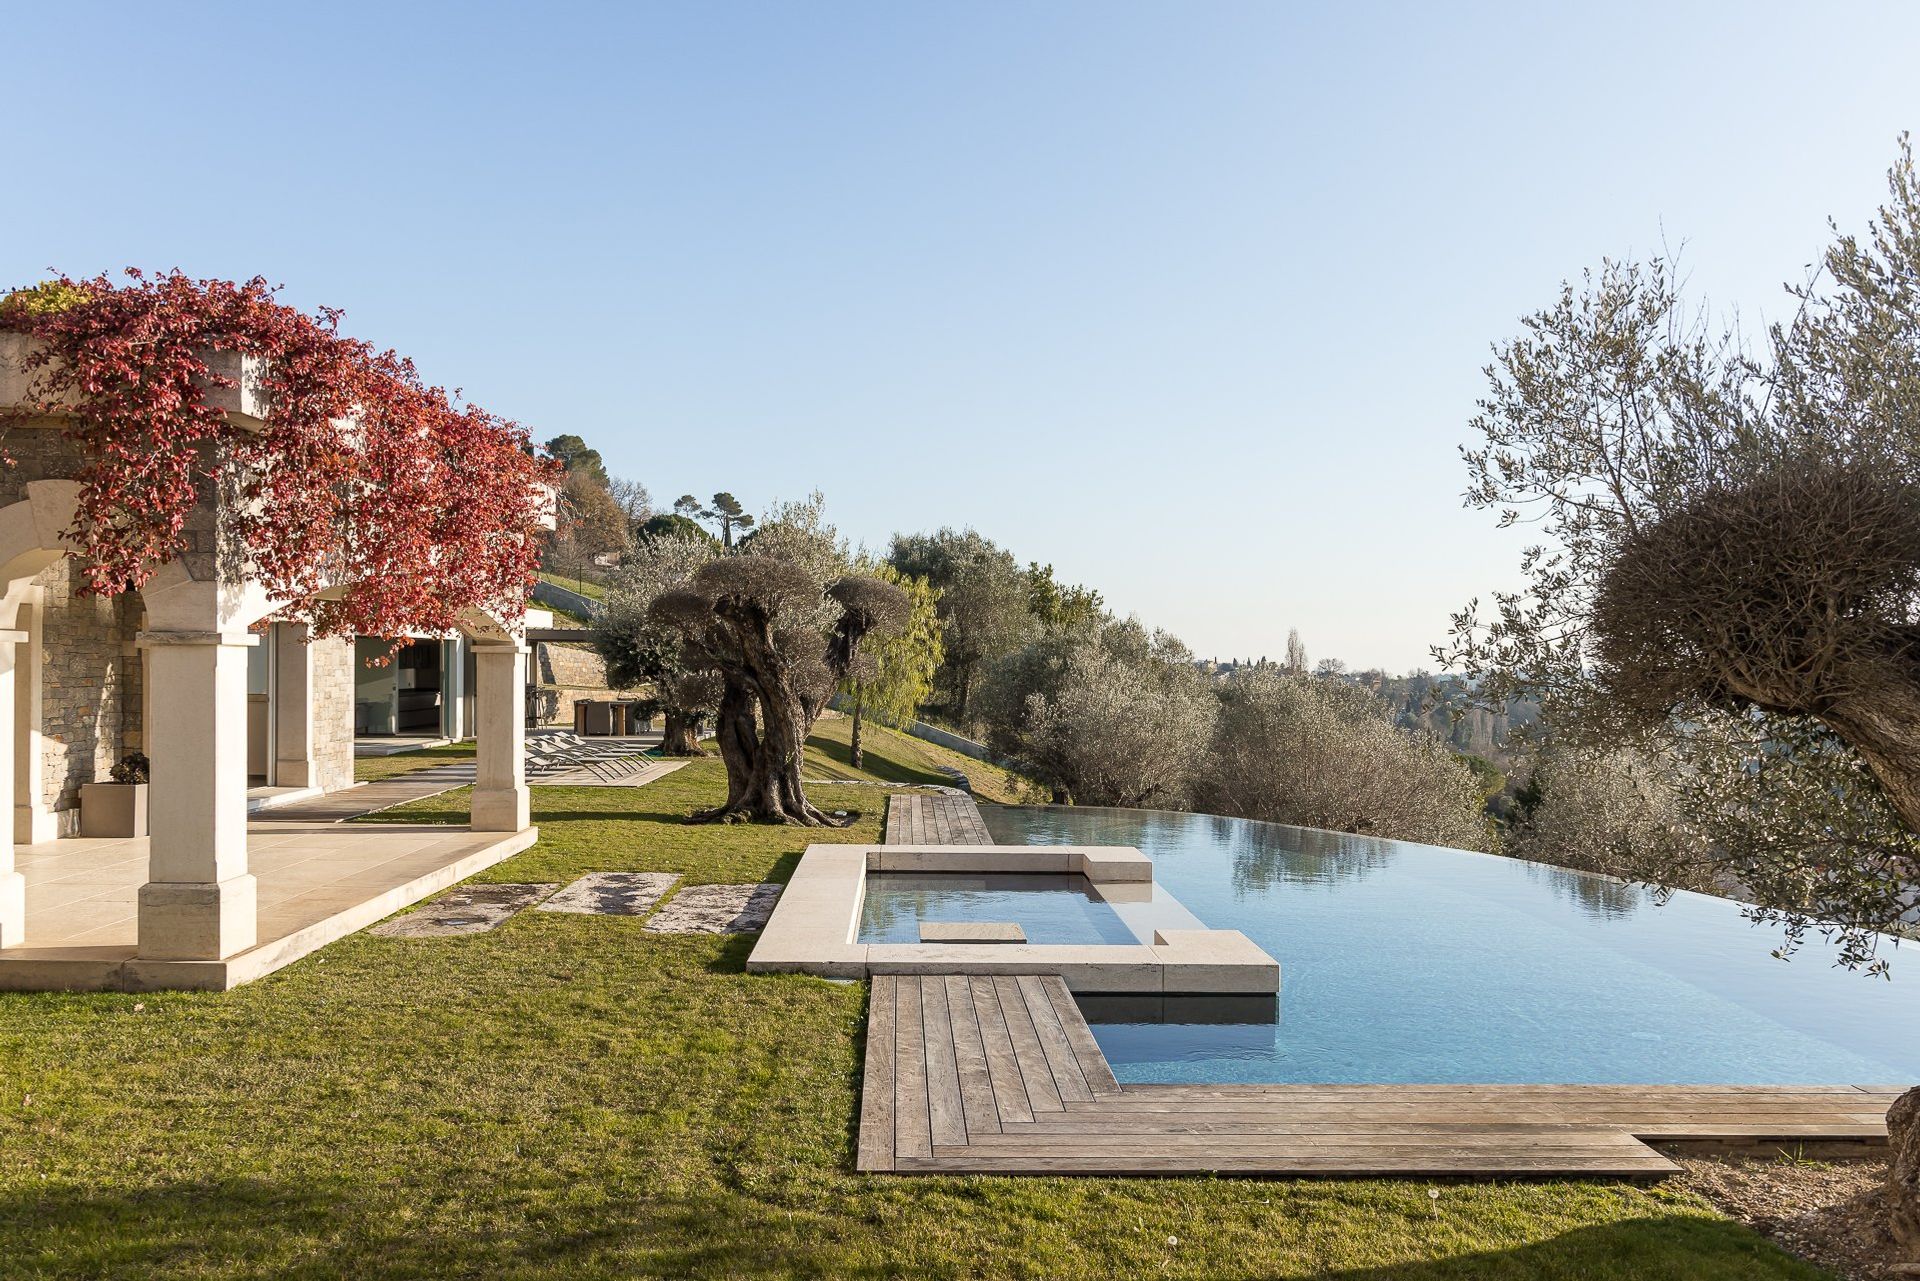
[1042, 1095]
[1598, 1163]
[912, 1128]
[970, 1056]
[1003, 1066]
[877, 1081]
[1000, 1074]
[1067, 1078]
[935, 820]
[946, 1116]
[1094, 1068]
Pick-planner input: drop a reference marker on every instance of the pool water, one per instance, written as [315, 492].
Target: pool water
[1049, 908]
[1412, 963]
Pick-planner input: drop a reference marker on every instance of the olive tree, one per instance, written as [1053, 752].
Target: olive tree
[1315, 753]
[1105, 715]
[1728, 569]
[639, 650]
[754, 622]
[1729, 572]
[985, 604]
[1618, 813]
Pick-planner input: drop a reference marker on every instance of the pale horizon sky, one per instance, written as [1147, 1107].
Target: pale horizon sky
[1190, 300]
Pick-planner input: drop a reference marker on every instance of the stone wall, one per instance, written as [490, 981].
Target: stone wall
[567, 674]
[90, 689]
[332, 662]
[40, 451]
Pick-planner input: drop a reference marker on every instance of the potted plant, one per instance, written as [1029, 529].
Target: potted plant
[117, 808]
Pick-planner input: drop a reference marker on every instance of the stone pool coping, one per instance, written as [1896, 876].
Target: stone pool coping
[816, 923]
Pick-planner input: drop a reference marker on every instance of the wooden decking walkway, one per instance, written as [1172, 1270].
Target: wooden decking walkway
[938, 819]
[1002, 1075]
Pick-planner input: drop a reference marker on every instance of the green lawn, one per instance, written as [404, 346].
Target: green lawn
[901, 758]
[570, 1096]
[581, 586]
[368, 769]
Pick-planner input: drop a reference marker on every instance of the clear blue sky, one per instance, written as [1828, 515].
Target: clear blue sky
[1188, 299]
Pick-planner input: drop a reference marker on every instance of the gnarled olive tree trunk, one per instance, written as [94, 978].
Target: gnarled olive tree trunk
[737, 617]
[678, 738]
[1882, 723]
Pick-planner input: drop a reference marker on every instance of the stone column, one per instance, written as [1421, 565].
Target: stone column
[293, 763]
[33, 817]
[13, 886]
[199, 901]
[500, 798]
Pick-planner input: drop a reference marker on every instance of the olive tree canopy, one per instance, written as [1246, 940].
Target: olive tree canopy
[752, 621]
[638, 650]
[1727, 575]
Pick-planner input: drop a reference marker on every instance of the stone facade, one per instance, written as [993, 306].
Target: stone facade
[332, 749]
[566, 674]
[90, 689]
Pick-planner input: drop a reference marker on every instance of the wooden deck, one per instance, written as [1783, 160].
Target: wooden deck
[937, 819]
[1001, 1075]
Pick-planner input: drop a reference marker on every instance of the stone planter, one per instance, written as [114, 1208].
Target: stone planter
[113, 809]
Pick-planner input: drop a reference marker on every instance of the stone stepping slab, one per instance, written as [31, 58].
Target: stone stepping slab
[612, 894]
[470, 909]
[716, 909]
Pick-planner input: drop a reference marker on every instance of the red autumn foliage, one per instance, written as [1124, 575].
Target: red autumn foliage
[370, 502]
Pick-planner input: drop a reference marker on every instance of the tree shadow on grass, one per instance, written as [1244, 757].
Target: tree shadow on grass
[733, 954]
[881, 767]
[332, 1227]
[327, 1229]
[1676, 1246]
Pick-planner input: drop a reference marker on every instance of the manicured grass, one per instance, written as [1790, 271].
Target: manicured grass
[570, 1096]
[901, 758]
[581, 586]
[368, 769]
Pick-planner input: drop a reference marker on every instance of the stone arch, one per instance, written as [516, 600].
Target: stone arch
[491, 627]
[33, 537]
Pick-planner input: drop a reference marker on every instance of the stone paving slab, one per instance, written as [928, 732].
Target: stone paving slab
[470, 909]
[716, 909]
[612, 894]
[585, 777]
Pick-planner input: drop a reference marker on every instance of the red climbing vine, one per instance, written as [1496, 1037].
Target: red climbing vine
[369, 501]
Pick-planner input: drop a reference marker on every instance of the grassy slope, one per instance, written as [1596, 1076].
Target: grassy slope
[570, 1096]
[581, 586]
[901, 758]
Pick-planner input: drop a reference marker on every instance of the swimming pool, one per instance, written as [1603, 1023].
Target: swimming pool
[1049, 907]
[1412, 963]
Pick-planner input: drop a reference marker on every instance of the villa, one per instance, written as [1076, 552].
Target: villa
[238, 711]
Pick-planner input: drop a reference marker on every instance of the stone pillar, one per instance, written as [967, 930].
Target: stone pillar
[293, 738]
[13, 886]
[199, 901]
[500, 799]
[33, 818]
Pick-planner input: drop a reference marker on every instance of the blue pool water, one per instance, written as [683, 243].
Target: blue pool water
[1048, 908]
[1411, 963]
